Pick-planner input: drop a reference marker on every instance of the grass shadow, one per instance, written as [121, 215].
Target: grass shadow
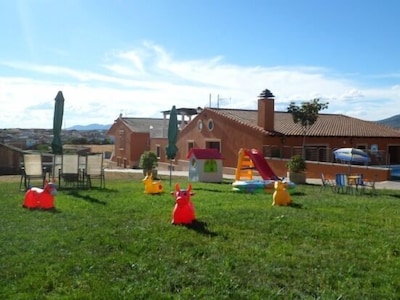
[209, 190]
[200, 227]
[298, 194]
[49, 210]
[296, 205]
[87, 198]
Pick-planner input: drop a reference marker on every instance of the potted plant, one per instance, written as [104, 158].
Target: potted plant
[296, 169]
[148, 162]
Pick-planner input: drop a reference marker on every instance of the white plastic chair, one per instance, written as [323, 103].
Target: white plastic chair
[69, 171]
[32, 169]
[94, 169]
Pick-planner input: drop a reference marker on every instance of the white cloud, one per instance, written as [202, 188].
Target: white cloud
[142, 82]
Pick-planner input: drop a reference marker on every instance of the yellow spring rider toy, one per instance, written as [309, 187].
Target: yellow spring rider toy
[152, 187]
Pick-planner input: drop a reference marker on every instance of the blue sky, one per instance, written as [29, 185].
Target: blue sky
[139, 58]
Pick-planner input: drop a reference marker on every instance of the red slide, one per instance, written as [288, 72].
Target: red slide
[261, 164]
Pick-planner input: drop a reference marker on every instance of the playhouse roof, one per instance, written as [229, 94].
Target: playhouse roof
[205, 153]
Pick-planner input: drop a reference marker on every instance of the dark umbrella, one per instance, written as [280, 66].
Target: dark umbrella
[56, 144]
[172, 149]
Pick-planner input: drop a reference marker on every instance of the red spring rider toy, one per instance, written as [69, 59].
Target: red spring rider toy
[183, 212]
[41, 198]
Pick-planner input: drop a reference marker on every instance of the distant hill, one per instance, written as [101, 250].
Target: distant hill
[392, 121]
[89, 127]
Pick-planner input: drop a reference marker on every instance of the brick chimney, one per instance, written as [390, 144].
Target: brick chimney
[266, 110]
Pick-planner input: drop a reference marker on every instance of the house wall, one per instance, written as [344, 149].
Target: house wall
[289, 146]
[232, 137]
[140, 142]
[10, 160]
[314, 169]
[161, 143]
[128, 145]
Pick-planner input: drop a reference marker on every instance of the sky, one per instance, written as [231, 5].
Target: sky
[139, 58]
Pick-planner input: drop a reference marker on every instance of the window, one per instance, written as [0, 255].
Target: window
[190, 146]
[121, 139]
[158, 151]
[200, 125]
[193, 163]
[213, 145]
[210, 125]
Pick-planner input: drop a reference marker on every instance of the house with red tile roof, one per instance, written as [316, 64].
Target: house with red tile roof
[274, 133]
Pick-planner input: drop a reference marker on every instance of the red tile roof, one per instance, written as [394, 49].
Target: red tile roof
[326, 125]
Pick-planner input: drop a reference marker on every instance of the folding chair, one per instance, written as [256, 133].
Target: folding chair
[57, 163]
[342, 183]
[94, 170]
[32, 169]
[370, 184]
[69, 172]
[327, 183]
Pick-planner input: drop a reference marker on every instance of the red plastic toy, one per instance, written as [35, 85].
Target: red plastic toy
[183, 212]
[41, 198]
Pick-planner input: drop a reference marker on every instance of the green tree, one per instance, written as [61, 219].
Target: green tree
[306, 114]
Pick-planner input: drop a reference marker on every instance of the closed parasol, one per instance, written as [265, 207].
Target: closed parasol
[351, 155]
[56, 144]
[173, 131]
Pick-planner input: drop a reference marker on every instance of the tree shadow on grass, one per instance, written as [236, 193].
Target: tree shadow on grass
[87, 198]
[200, 227]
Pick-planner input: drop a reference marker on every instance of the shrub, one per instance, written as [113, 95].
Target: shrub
[296, 164]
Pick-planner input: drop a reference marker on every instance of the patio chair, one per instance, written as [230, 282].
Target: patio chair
[370, 184]
[69, 173]
[57, 163]
[32, 169]
[342, 183]
[94, 170]
[327, 183]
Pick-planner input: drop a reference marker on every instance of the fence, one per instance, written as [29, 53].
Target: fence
[319, 154]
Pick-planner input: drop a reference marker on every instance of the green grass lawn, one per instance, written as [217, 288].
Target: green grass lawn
[119, 243]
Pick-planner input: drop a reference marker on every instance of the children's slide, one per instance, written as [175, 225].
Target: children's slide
[261, 164]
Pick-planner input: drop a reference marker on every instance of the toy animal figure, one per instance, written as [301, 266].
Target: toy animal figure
[183, 212]
[152, 187]
[41, 198]
[281, 196]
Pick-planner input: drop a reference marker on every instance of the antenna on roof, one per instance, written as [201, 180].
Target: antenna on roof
[222, 100]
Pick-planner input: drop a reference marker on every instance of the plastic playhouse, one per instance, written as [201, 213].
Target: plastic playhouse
[205, 165]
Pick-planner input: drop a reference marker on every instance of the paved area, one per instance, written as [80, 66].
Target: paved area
[390, 185]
